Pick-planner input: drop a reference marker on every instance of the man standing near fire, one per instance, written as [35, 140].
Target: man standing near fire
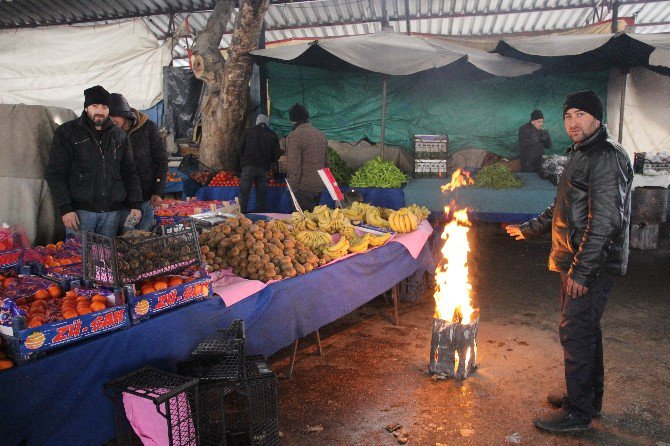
[589, 224]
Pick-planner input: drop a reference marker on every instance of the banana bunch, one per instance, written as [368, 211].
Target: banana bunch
[357, 211]
[373, 218]
[421, 212]
[337, 250]
[403, 220]
[331, 222]
[281, 225]
[359, 244]
[348, 232]
[378, 240]
[314, 239]
[301, 222]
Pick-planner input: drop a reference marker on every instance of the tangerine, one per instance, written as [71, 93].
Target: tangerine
[68, 313]
[97, 306]
[54, 291]
[175, 280]
[59, 244]
[38, 303]
[99, 298]
[35, 322]
[8, 282]
[83, 310]
[147, 289]
[160, 285]
[71, 293]
[64, 262]
[83, 299]
[51, 246]
[41, 294]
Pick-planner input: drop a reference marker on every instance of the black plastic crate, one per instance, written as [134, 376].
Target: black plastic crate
[431, 147]
[260, 412]
[192, 167]
[225, 351]
[430, 168]
[174, 399]
[118, 261]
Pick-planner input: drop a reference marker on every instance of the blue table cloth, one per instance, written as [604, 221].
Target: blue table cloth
[279, 198]
[59, 400]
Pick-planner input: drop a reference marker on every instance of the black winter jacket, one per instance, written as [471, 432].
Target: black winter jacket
[84, 174]
[532, 143]
[259, 147]
[151, 160]
[590, 217]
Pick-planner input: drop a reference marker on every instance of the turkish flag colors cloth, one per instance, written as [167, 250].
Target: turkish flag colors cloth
[331, 184]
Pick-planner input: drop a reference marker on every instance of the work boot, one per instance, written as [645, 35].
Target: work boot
[562, 421]
[556, 399]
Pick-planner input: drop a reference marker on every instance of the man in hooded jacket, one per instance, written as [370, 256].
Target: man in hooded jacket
[148, 149]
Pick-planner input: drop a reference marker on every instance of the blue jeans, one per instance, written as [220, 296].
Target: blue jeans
[103, 223]
[146, 223]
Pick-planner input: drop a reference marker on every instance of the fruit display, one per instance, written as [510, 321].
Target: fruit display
[225, 179]
[202, 177]
[257, 251]
[54, 256]
[339, 168]
[272, 182]
[403, 221]
[177, 208]
[173, 177]
[8, 240]
[11, 248]
[17, 288]
[161, 283]
[378, 173]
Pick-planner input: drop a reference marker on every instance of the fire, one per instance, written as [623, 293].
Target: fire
[452, 294]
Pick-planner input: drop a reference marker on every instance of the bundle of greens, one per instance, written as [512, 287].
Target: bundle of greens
[378, 173]
[497, 176]
[339, 168]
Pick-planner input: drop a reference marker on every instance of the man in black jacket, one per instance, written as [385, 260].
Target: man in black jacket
[533, 139]
[257, 150]
[149, 154]
[589, 224]
[91, 171]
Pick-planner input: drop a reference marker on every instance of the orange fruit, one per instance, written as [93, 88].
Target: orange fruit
[71, 293]
[35, 322]
[65, 262]
[55, 263]
[97, 306]
[83, 310]
[160, 285]
[68, 313]
[59, 244]
[38, 304]
[51, 246]
[175, 280]
[83, 299]
[146, 289]
[48, 259]
[41, 294]
[54, 291]
[2, 277]
[8, 281]
[99, 298]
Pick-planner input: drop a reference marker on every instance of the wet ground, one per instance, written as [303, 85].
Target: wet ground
[373, 375]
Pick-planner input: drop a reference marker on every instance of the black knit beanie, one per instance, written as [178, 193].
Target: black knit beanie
[298, 113]
[537, 114]
[96, 95]
[587, 101]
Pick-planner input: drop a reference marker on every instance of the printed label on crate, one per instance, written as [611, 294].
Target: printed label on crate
[152, 303]
[11, 257]
[53, 335]
[373, 229]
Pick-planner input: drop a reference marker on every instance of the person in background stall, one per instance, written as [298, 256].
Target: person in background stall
[149, 154]
[533, 139]
[258, 150]
[306, 153]
[589, 223]
[91, 173]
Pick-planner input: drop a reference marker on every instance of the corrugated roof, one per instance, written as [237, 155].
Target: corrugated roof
[331, 18]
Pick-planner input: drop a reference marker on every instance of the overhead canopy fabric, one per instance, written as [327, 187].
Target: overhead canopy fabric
[54, 65]
[391, 53]
[595, 51]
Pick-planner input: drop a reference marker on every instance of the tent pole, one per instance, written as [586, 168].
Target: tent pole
[384, 88]
[623, 103]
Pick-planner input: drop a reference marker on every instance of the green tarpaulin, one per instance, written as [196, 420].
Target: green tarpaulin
[473, 109]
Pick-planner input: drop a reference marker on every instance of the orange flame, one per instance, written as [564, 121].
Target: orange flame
[458, 178]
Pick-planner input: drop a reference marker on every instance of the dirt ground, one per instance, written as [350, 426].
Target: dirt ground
[373, 374]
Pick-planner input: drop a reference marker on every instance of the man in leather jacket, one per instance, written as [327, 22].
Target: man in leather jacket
[589, 224]
[91, 171]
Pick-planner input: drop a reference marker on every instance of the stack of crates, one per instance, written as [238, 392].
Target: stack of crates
[430, 156]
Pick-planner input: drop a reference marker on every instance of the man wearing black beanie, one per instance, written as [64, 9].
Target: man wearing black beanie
[91, 171]
[589, 223]
[533, 139]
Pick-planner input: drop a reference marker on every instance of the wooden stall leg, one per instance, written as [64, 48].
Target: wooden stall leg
[394, 293]
[319, 351]
[295, 352]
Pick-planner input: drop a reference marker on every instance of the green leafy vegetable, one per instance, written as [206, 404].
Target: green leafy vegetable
[339, 168]
[378, 173]
[497, 176]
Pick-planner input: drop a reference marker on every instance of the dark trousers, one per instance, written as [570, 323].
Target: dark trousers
[582, 343]
[251, 174]
[307, 199]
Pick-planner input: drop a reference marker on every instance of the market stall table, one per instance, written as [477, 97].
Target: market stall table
[59, 399]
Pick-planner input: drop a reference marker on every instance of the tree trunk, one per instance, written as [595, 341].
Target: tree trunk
[225, 100]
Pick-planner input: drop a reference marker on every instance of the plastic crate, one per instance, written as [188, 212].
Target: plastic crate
[117, 261]
[192, 167]
[431, 146]
[429, 168]
[227, 349]
[13, 255]
[260, 413]
[164, 401]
